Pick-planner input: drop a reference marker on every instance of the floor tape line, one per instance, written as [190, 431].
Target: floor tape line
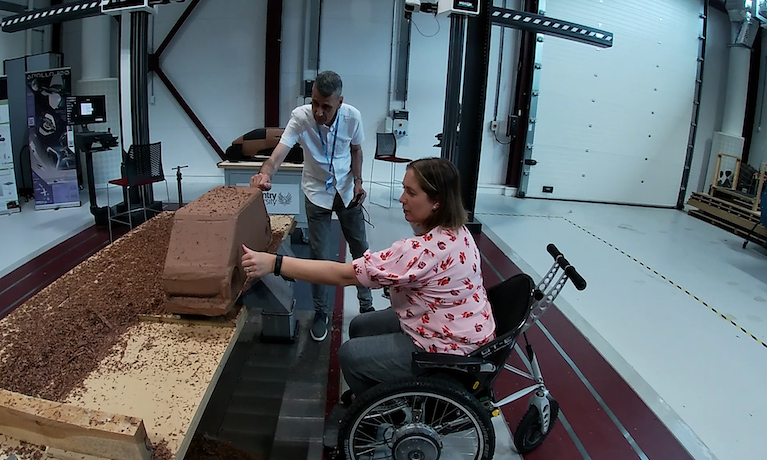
[663, 277]
[759, 341]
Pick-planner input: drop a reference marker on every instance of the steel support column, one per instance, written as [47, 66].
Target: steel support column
[453, 87]
[473, 106]
[272, 63]
[139, 59]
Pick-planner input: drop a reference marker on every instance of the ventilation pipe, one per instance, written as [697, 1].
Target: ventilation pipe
[730, 139]
[95, 46]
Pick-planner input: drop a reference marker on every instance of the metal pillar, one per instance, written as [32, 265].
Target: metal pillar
[139, 59]
[473, 106]
[453, 87]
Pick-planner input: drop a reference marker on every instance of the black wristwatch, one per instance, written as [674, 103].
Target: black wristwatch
[277, 264]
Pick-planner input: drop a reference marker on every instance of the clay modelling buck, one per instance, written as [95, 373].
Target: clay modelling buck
[203, 275]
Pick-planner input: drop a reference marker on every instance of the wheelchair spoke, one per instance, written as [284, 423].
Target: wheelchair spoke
[392, 426]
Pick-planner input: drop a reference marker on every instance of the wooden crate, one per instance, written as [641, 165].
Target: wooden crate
[726, 171]
[725, 186]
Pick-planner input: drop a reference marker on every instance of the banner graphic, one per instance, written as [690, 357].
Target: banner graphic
[51, 147]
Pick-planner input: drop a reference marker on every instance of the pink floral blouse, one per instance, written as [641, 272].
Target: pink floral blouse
[436, 289]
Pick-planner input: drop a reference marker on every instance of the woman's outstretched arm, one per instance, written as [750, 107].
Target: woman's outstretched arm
[257, 264]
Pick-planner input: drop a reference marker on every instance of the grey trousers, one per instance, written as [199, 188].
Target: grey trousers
[377, 351]
[353, 228]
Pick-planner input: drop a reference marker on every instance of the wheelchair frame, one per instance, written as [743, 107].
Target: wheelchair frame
[469, 379]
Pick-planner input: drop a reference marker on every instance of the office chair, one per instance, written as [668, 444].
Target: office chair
[386, 150]
[142, 166]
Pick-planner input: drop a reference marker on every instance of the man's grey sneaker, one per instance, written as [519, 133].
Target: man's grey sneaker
[319, 326]
[367, 309]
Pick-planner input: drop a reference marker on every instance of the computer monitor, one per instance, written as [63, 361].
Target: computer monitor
[82, 110]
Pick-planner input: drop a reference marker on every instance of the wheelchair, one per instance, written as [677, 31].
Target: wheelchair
[446, 412]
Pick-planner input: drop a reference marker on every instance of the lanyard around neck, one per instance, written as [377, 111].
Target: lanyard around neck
[325, 148]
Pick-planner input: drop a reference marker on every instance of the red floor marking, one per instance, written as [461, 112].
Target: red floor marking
[648, 431]
[33, 276]
[46, 258]
[558, 444]
[596, 431]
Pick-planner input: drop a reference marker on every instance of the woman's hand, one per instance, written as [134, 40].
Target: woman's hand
[257, 264]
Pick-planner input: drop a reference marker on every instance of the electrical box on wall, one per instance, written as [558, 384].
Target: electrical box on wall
[470, 7]
[308, 85]
[400, 122]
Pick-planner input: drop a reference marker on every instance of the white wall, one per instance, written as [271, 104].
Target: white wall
[426, 86]
[291, 57]
[613, 124]
[355, 42]
[216, 62]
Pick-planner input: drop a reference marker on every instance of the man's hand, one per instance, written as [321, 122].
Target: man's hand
[358, 190]
[262, 181]
[256, 264]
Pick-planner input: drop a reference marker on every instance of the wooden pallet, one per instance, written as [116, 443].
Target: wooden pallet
[728, 216]
[741, 199]
[755, 237]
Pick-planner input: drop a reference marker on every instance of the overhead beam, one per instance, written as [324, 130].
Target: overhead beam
[53, 15]
[545, 25]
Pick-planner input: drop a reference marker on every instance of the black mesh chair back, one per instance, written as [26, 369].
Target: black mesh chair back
[143, 164]
[511, 301]
[386, 150]
[141, 167]
[386, 146]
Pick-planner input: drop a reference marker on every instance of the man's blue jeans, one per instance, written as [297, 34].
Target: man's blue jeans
[353, 228]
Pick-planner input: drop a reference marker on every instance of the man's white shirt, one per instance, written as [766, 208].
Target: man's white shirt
[345, 131]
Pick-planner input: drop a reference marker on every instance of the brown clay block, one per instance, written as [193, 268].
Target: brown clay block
[204, 253]
[72, 428]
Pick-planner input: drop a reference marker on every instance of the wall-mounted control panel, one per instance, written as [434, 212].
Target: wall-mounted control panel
[400, 122]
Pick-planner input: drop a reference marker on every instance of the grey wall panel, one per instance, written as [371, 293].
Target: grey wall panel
[613, 124]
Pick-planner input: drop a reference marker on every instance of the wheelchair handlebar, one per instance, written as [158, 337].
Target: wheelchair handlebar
[559, 258]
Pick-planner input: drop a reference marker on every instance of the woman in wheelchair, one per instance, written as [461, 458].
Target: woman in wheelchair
[439, 303]
[438, 300]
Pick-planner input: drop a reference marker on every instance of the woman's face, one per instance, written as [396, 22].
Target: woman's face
[416, 204]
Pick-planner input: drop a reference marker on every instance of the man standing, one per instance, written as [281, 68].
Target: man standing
[331, 135]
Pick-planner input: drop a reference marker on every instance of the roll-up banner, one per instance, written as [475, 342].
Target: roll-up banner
[9, 197]
[51, 147]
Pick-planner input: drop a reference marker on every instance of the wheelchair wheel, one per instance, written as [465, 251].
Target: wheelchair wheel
[529, 434]
[421, 419]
